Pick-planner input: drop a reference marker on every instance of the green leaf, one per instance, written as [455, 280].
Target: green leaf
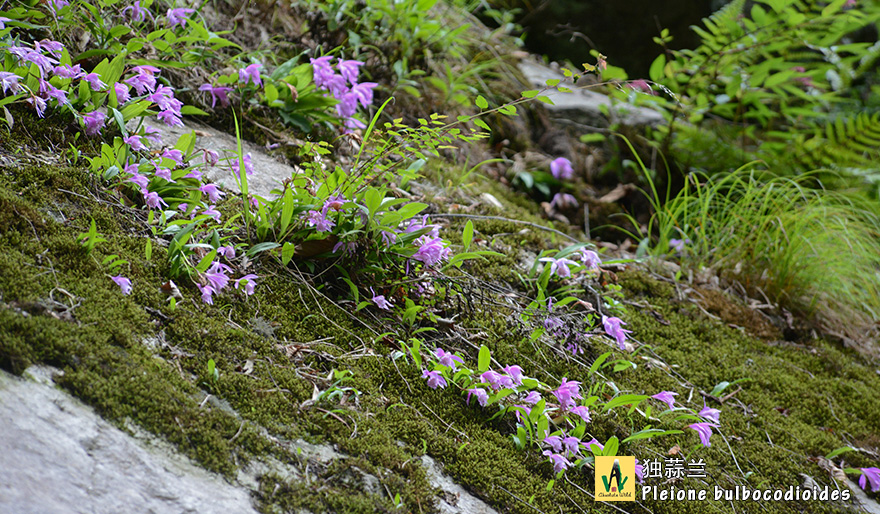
[537, 411]
[481, 102]
[262, 247]
[656, 71]
[778, 78]
[530, 94]
[611, 446]
[507, 110]
[355, 295]
[373, 200]
[414, 351]
[369, 131]
[625, 399]
[543, 425]
[622, 365]
[467, 235]
[484, 359]
[206, 261]
[649, 432]
[287, 252]
[135, 109]
[120, 121]
[719, 388]
[192, 111]
[598, 363]
[119, 30]
[842, 449]
[287, 206]
[411, 209]
[832, 8]
[186, 142]
[148, 249]
[592, 138]
[482, 124]
[271, 93]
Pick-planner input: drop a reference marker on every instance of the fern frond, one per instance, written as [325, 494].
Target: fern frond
[843, 143]
[721, 27]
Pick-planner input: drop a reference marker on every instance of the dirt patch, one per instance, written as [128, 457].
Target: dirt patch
[736, 315]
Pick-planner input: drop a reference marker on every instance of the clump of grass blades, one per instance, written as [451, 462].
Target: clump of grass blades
[808, 249]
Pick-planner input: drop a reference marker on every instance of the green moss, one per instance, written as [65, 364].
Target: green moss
[274, 350]
[639, 283]
[795, 406]
[328, 495]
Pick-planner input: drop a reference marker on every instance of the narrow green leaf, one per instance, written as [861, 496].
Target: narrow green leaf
[611, 446]
[484, 359]
[206, 261]
[842, 449]
[120, 121]
[286, 210]
[648, 433]
[287, 252]
[656, 71]
[467, 234]
[192, 111]
[598, 362]
[482, 124]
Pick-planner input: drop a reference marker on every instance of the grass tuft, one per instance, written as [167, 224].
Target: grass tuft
[806, 248]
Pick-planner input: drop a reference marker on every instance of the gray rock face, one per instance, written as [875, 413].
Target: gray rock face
[58, 456]
[455, 499]
[268, 174]
[582, 105]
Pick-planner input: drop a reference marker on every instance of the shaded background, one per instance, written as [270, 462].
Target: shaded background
[623, 30]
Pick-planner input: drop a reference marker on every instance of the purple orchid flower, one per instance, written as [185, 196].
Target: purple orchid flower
[668, 397]
[704, 430]
[380, 300]
[123, 283]
[435, 379]
[561, 168]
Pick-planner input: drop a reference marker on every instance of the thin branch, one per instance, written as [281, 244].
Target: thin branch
[502, 218]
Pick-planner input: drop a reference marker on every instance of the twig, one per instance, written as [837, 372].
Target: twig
[334, 415]
[448, 425]
[502, 218]
[240, 428]
[572, 501]
[591, 495]
[98, 200]
[831, 408]
[587, 220]
[729, 396]
[721, 400]
[405, 381]
[732, 455]
[518, 498]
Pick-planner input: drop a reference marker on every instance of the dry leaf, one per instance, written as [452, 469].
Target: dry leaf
[617, 193]
[170, 288]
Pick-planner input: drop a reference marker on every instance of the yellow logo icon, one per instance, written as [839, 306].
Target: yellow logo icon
[615, 478]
